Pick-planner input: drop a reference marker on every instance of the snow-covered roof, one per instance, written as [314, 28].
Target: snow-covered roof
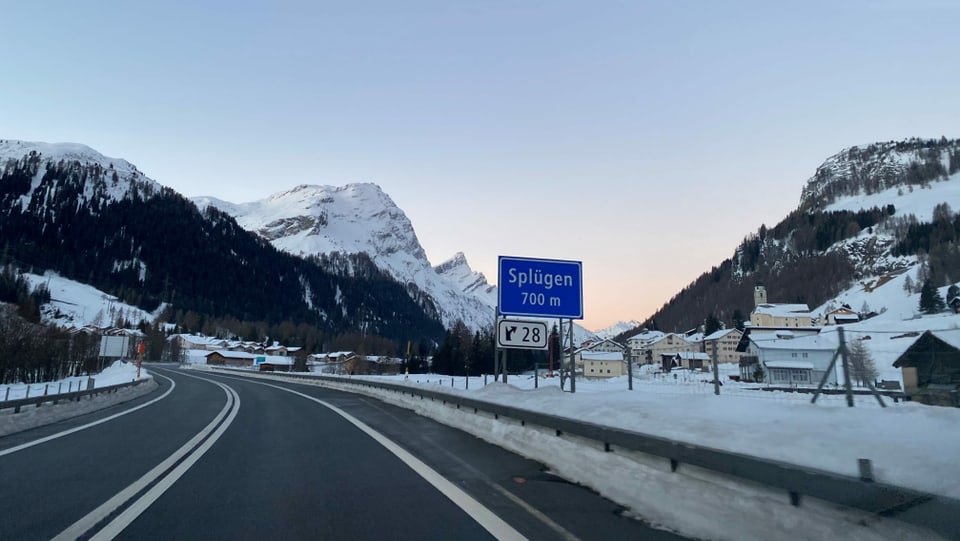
[951, 337]
[692, 355]
[647, 336]
[803, 365]
[783, 310]
[226, 353]
[718, 334]
[666, 336]
[818, 342]
[200, 340]
[601, 356]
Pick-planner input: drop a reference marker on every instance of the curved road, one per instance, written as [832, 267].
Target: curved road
[211, 456]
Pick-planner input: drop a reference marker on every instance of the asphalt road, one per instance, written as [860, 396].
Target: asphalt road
[224, 457]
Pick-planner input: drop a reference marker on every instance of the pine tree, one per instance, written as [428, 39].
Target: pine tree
[712, 324]
[738, 319]
[931, 301]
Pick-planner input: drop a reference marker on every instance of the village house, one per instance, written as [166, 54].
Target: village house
[931, 368]
[789, 359]
[204, 343]
[330, 363]
[235, 359]
[724, 343]
[638, 346]
[691, 360]
[606, 346]
[841, 316]
[669, 344]
[602, 364]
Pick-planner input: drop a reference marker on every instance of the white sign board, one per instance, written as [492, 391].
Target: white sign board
[114, 346]
[519, 334]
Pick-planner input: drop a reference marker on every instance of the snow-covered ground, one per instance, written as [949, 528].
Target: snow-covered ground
[75, 304]
[115, 374]
[901, 440]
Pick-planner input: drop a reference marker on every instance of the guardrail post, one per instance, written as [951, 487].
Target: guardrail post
[866, 469]
[6, 395]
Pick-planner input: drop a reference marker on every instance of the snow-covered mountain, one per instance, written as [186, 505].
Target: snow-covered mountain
[311, 220]
[617, 328]
[113, 179]
[100, 221]
[457, 270]
[867, 215]
[361, 218]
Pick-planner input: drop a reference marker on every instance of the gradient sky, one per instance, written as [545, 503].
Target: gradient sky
[644, 138]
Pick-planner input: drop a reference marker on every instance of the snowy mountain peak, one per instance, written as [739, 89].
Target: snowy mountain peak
[54, 152]
[617, 328]
[91, 174]
[874, 168]
[457, 270]
[313, 219]
[361, 218]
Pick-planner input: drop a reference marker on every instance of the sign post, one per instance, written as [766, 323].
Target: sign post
[548, 288]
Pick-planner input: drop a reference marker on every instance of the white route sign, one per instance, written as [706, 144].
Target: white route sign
[519, 334]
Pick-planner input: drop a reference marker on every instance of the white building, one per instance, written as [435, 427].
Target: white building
[602, 364]
[790, 359]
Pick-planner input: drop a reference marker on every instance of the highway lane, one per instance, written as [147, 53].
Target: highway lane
[291, 468]
[45, 488]
[287, 467]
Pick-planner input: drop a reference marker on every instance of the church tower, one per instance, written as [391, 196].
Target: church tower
[759, 295]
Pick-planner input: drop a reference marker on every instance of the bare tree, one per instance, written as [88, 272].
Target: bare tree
[862, 366]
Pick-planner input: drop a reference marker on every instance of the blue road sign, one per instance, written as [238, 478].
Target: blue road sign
[540, 287]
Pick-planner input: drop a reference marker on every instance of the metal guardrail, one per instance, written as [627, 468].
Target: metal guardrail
[18, 403]
[939, 513]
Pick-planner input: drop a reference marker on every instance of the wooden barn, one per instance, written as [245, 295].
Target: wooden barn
[931, 368]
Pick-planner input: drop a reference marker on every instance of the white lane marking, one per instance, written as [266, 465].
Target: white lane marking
[88, 425]
[131, 513]
[562, 532]
[83, 525]
[483, 516]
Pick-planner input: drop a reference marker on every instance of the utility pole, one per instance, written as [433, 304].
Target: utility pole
[496, 346]
[716, 369]
[629, 370]
[847, 384]
[573, 362]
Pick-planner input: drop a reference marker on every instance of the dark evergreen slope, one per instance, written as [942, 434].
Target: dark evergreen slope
[810, 256]
[149, 245]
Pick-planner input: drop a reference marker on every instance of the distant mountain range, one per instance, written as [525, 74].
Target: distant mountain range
[347, 260]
